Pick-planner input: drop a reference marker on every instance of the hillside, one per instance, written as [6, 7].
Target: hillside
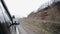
[49, 13]
[45, 21]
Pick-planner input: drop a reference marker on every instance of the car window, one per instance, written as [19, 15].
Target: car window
[4, 15]
[1, 15]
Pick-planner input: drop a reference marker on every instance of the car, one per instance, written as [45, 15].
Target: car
[7, 26]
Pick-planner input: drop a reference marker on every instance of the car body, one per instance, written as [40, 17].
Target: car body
[7, 26]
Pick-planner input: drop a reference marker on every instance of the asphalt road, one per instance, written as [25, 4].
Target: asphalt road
[24, 30]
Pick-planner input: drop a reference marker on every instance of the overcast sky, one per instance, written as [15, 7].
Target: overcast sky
[22, 8]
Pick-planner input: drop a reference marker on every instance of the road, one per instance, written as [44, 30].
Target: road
[24, 30]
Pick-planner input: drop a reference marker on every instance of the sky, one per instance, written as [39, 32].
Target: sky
[22, 8]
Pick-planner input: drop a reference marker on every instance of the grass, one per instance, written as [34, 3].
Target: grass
[43, 26]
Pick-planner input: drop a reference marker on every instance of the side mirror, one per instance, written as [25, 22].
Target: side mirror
[15, 23]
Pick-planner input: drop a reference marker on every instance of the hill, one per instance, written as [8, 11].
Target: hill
[49, 13]
[44, 21]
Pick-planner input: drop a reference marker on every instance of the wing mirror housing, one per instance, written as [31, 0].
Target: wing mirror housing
[15, 23]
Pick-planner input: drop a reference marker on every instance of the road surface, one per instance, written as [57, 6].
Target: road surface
[24, 30]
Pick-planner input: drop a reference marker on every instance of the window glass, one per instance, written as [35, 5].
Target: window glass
[4, 16]
[1, 14]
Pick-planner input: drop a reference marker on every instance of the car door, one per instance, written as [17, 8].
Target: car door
[6, 22]
[3, 24]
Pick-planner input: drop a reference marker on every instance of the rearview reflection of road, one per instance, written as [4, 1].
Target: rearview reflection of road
[23, 30]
